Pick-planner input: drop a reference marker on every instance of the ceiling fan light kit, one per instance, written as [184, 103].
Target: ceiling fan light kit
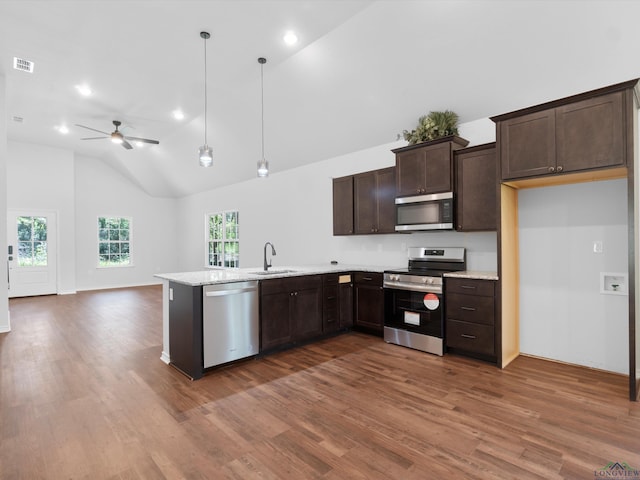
[205, 153]
[117, 137]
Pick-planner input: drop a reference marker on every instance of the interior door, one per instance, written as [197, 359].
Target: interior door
[32, 253]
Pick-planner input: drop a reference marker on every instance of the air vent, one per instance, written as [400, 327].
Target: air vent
[23, 65]
[17, 119]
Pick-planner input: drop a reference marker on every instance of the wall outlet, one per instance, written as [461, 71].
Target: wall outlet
[597, 246]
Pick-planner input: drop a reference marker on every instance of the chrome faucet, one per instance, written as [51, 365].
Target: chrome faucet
[273, 252]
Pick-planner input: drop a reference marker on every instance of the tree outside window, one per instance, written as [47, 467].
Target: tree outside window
[223, 239]
[32, 241]
[114, 241]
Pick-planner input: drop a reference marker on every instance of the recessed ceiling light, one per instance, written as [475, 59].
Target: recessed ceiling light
[63, 129]
[290, 38]
[84, 90]
[178, 114]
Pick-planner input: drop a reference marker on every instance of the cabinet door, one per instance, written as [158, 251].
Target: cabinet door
[276, 328]
[410, 172]
[386, 197]
[476, 189]
[330, 304]
[365, 203]
[528, 145]
[590, 134]
[345, 296]
[369, 301]
[306, 312]
[343, 206]
[438, 170]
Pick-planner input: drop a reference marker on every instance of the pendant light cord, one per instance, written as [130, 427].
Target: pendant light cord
[205, 87]
[262, 103]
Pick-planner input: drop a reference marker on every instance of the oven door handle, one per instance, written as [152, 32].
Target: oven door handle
[413, 287]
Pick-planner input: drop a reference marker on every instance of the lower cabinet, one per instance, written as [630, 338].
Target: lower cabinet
[337, 308]
[368, 302]
[185, 328]
[470, 317]
[290, 310]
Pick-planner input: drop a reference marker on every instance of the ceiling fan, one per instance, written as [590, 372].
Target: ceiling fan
[117, 137]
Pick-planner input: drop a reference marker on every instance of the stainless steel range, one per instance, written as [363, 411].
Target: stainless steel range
[414, 300]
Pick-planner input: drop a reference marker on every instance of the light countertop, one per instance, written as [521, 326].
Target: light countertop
[473, 274]
[228, 275]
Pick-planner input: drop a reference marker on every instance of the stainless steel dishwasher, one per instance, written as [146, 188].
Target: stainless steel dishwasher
[230, 322]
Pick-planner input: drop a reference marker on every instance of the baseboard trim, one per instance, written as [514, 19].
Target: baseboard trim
[562, 362]
[165, 357]
[6, 328]
[112, 287]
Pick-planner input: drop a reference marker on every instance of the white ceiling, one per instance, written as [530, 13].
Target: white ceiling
[362, 72]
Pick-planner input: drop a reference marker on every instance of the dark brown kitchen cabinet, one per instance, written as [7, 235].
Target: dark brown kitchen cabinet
[337, 308]
[476, 188]
[470, 317]
[185, 329]
[290, 310]
[374, 201]
[571, 135]
[368, 302]
[343, 205]
[427, 167]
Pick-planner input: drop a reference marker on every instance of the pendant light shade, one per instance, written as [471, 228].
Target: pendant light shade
[205, 153]
[263, 165]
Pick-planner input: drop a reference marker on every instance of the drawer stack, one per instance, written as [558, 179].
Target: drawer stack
[470, 316]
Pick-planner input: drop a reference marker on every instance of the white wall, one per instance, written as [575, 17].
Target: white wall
[5, 324]
[293, 210]
[80, 189]
[102, 191]
[41, 178]
[563, 315]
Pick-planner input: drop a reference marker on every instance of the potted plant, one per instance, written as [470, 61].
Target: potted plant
[432, 126]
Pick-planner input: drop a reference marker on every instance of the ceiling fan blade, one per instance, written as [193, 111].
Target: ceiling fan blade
[93, 138]
[89, 128]
[143, 140]
[126, 144]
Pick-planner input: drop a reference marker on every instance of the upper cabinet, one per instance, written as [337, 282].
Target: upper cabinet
[343, 205]
[374, 201]
[426, 167]
[576, 134]
[365, 203]
[476, 188]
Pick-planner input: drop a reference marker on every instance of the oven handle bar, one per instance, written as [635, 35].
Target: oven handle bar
[413, 287]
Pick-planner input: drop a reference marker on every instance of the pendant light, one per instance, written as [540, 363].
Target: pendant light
[205, 153]
[263, 165]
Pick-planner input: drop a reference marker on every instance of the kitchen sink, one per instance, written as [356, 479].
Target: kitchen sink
[272, 272]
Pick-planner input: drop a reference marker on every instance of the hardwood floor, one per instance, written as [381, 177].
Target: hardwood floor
[84, 395]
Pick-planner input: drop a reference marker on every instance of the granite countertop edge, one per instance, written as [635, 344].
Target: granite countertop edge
[229, 275]
[473, 274]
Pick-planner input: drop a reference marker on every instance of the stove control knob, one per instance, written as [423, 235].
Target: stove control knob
[428, 280]
[395, 278]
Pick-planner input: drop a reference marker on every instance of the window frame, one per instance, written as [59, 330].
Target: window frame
[129, 241]
[224, 240]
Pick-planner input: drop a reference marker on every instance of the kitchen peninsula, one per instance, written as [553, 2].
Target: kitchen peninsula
[297, 304]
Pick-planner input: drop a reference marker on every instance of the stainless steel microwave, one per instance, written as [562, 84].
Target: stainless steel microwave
[425, 212]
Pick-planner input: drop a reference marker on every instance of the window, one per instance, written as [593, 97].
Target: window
[223, 239]
[32, 241]
[114, 241]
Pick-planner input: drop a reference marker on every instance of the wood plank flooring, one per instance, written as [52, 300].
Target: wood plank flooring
[84, 395]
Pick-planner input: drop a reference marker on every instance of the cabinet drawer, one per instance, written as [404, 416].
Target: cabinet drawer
[368, 277]
[469, 286]
[290, 284]
[470, 337]
[470, 308]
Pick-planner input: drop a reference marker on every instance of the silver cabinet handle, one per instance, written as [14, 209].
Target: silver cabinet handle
[469, 287]
[464, 335]
[469, 309]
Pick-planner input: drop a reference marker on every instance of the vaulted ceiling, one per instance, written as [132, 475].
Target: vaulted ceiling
[361, 72]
